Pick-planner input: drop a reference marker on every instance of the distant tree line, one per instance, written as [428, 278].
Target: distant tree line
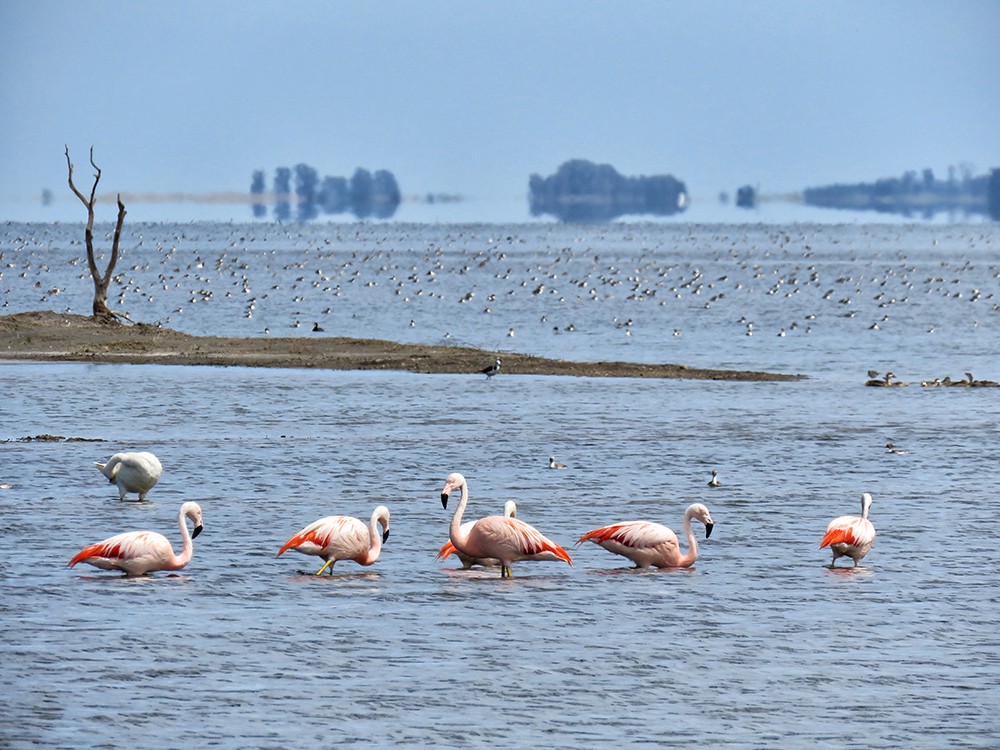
[364, 194]
[910, 194]
[583, 191]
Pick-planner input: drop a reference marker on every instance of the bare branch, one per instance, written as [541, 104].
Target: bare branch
[97, 175]
[69, 164]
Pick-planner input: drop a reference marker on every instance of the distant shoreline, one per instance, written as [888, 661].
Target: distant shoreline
[46, 336]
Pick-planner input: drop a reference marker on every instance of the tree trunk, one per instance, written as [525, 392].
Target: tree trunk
[101, 311]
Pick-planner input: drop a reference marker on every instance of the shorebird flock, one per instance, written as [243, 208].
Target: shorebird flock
[548, 285]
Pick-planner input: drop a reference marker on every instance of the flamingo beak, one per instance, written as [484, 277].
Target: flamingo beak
[385, 535]
[197, 531]
[708, 529]
[444, 500]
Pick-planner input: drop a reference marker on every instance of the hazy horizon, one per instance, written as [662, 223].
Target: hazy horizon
[472, 98]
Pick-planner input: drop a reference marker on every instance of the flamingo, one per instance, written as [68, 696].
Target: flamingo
[140, 552]
[132, 472]
[342, 538]
[509, 511]
[850, 536]
[506, 539]
[646, 543]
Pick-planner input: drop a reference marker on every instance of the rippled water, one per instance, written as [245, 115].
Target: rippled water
[758, 645]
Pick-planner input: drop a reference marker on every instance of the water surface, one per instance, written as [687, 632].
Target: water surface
[758, 645]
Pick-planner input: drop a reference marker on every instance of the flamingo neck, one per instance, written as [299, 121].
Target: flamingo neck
[374, 539]
[455, 530]
[187, 550]
[692, 553]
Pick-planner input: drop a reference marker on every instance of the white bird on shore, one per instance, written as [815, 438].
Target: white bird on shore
[132, 472]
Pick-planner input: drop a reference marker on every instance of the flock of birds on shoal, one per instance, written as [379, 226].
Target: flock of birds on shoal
[292, 288]
[490, 541]
[889, 381]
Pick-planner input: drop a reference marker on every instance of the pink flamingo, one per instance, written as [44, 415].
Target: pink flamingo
[509, 511]
[499, 537]
[342, 538]
[140, 552]
[646, 543]
[850, 536]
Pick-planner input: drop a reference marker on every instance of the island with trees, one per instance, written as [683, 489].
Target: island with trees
[912, 194]
[581, 191]
[364, 194]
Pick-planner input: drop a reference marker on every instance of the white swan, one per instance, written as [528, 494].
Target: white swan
[132, 472]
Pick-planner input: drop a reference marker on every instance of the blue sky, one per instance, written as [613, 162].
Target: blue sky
[472, 97]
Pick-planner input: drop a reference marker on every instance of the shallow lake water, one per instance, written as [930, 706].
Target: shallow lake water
[759, 644]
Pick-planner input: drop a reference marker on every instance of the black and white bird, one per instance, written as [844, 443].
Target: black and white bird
[492, 370]
[553, 464]
[714, 481]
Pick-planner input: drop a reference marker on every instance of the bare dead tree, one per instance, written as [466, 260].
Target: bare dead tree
[101, 281]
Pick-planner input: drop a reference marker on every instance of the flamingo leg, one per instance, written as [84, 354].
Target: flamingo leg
[505, 571]
[326, 565]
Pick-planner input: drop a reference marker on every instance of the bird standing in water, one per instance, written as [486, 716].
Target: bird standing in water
[132, 472]
[850, 536]
[646, 543]
[492, 370]
[496, 537]
[342, 538]
[139, 552]
[509, 511]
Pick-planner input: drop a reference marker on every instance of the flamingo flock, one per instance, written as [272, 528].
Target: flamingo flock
[491, 541]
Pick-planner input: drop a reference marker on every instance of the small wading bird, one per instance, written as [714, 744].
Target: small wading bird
[714, 481]
[646, 543]
[850, 536]
[492, 370]
[890, 448]
[342, 538]
[140, 552]
[553, 464]
[509, 511]
[132, 472]
[505, 539]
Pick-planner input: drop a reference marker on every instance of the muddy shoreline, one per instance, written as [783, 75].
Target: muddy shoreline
[53, 337]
